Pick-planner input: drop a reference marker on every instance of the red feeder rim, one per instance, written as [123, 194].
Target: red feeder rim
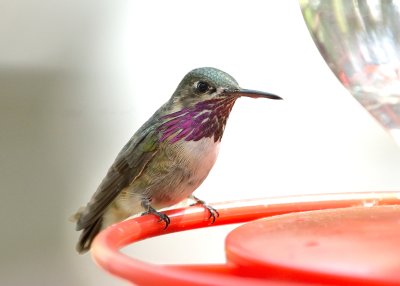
[105, 247]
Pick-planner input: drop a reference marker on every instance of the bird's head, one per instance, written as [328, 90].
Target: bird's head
[201, 105]
[207, 83]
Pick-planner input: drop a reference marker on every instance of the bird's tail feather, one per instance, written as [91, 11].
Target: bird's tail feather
[88, 234]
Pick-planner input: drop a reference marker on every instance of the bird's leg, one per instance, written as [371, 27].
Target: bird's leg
[213, 212]
[150, 210]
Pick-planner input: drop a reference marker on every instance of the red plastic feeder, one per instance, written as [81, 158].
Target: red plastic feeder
[333, 239]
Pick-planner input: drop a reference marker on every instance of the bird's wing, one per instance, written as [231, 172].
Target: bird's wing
[127, 167]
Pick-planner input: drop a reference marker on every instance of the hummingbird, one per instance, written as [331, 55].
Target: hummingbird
[167, 158]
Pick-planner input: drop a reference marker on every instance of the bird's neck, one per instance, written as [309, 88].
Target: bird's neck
[203, 119]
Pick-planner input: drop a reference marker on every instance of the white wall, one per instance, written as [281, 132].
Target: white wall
[78, 78]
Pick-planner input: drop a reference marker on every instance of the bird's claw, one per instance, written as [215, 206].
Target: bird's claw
[212, 211]
[162, 216]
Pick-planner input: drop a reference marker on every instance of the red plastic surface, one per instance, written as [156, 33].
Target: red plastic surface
[240, 269]
[348, 246]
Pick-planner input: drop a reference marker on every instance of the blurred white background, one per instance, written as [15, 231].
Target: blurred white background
[77, 78]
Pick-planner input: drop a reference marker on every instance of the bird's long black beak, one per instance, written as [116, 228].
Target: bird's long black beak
[255, 94]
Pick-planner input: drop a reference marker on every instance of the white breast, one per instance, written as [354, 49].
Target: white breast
[202, 154]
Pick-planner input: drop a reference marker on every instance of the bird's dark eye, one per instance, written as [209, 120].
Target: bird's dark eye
[202, 87]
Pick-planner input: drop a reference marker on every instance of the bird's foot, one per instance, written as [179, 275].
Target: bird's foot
[213, 212]
[162, 216]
